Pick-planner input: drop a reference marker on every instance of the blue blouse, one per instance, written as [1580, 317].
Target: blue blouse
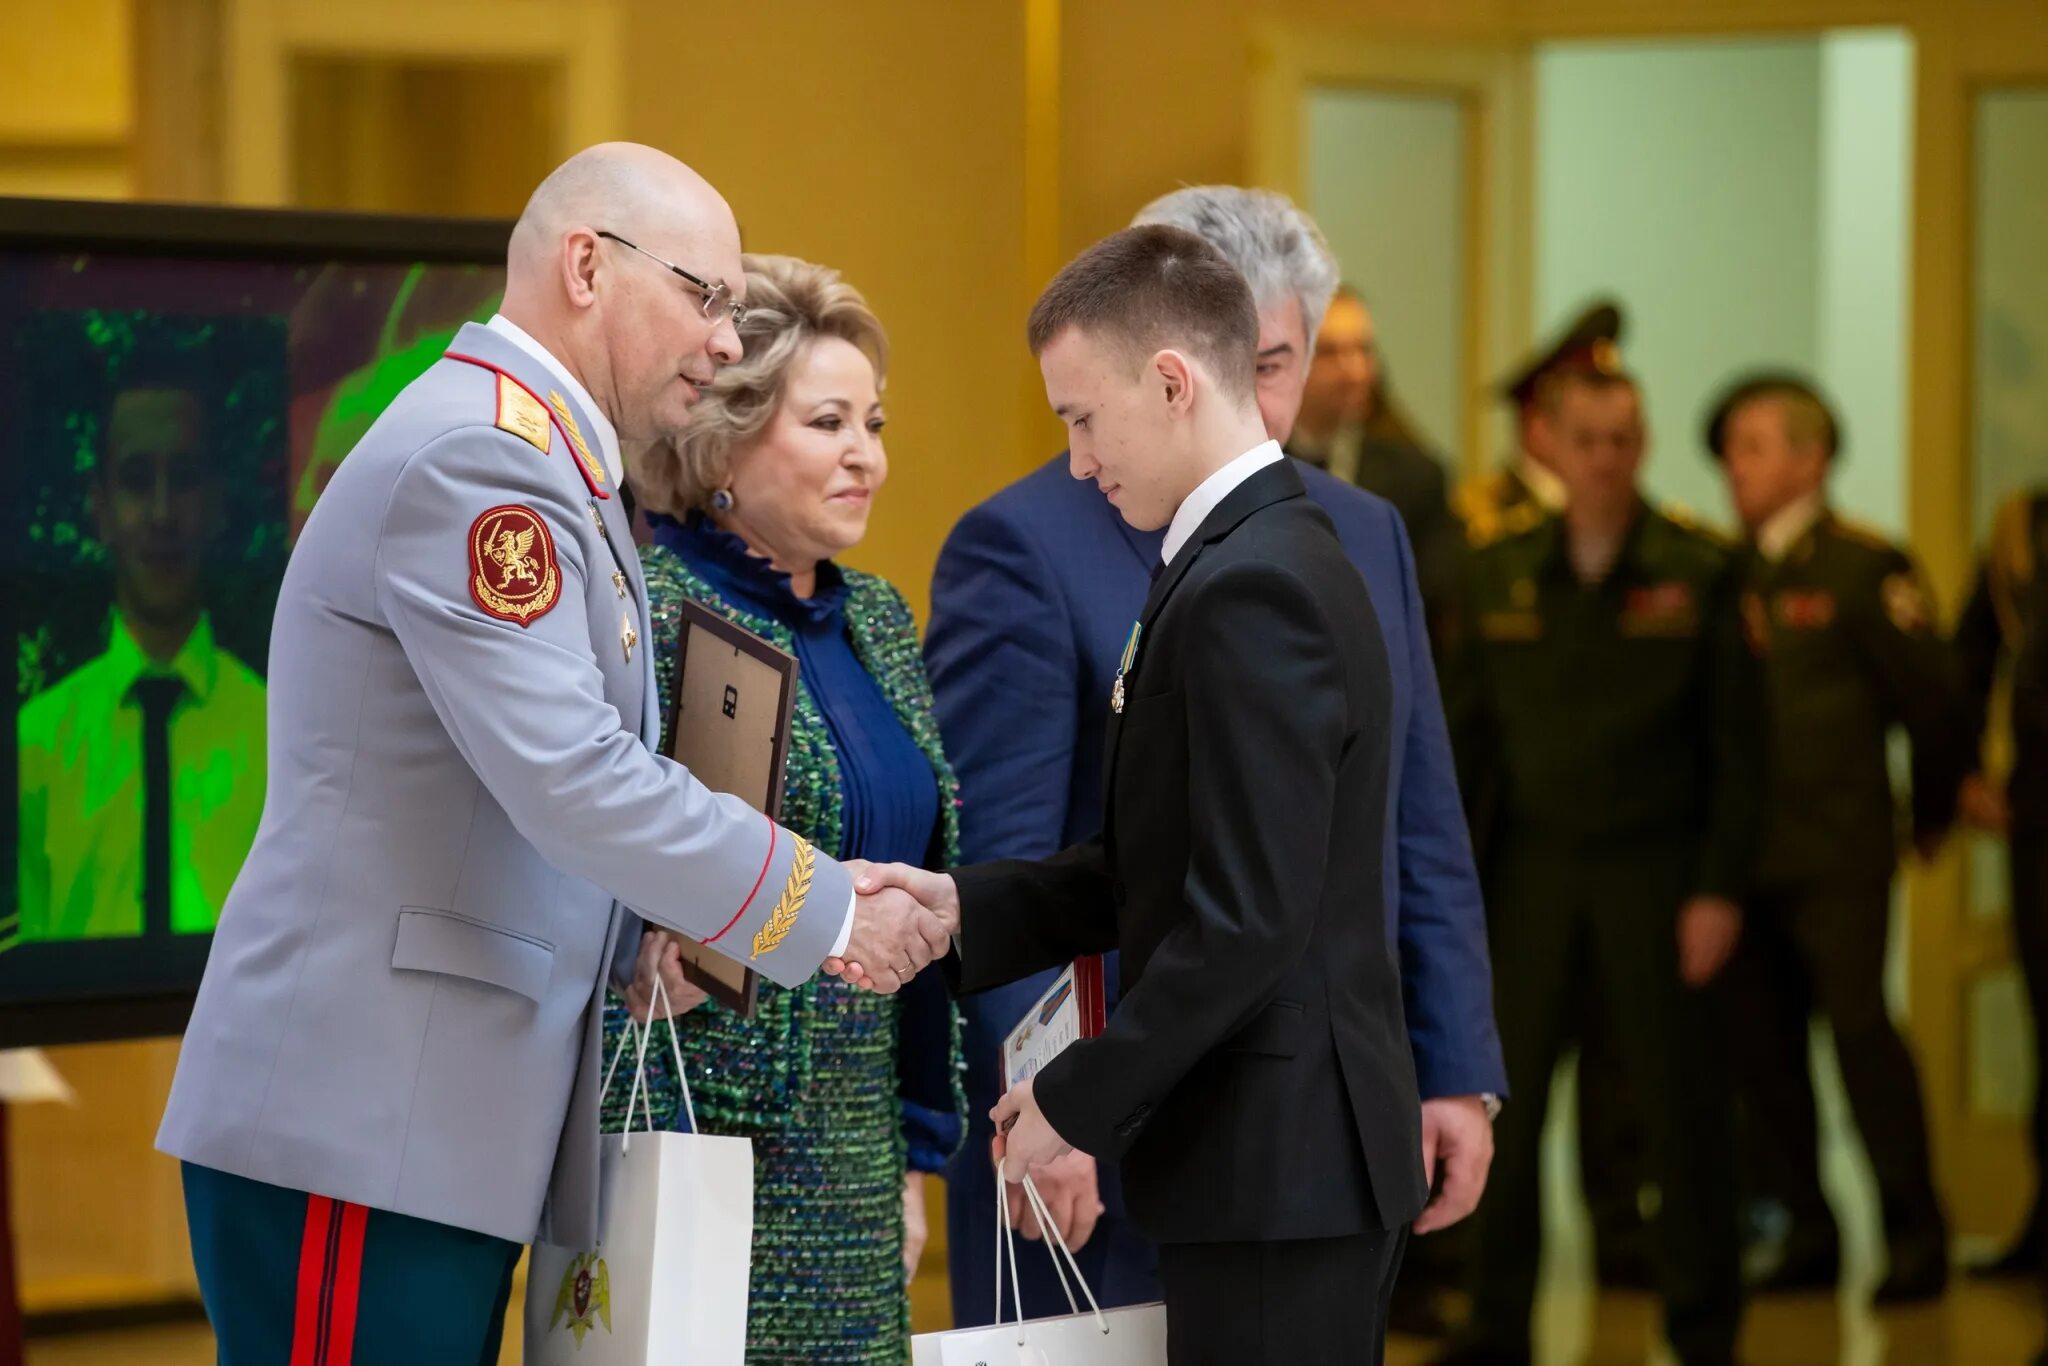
[891, 796]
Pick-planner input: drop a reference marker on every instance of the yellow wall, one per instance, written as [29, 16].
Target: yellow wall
[885, 140]
[493, 135]
[64, 102]
[1154, 97]
[67, 73]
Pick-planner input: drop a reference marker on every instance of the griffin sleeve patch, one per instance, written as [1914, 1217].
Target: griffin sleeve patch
[513, 574]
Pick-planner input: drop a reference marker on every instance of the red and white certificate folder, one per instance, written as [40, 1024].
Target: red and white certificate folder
[1071, 1008]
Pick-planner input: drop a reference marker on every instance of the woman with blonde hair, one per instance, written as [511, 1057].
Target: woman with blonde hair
[849, 1097]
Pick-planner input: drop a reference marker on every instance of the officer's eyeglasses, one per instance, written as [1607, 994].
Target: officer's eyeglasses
[718, 300]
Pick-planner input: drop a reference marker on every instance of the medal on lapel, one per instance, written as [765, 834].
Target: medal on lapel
[1123, 668]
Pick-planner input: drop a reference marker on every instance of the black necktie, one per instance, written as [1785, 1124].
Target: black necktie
[157, 696]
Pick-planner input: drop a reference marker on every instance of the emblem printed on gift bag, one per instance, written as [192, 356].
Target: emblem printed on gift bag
[586, 1286]
[667, 1280]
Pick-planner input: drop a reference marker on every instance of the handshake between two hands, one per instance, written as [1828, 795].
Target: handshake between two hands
[904, 919]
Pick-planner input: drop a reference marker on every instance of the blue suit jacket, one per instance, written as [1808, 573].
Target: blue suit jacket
[1032, 601]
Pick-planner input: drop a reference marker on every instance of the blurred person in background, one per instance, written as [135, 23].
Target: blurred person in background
[1351, 425]
[1525, 479]
[1843, 620]
[2004, 632]
[1606, 708]
[1612, 1148]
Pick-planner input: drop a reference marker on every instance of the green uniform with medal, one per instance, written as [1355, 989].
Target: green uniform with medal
[1610, 737]
[1850, 650]
[1505, 502]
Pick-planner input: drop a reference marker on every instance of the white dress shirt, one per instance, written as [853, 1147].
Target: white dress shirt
[1542, 481]
[608, 447]
[607, 435]
[1210, 493]
[1593, 555]
[1783, 528]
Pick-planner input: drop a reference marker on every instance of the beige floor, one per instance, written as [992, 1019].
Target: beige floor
[1977, 1325]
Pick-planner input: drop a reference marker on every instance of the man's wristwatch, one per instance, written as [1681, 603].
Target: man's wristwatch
[1492, 1104]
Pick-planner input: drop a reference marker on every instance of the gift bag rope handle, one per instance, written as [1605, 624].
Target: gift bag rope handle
[1045, 1224]
[641, 1095]
[1046, 1220]
[1006, 1239]
[1003, 1240]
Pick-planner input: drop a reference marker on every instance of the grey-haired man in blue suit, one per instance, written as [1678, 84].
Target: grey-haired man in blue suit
[390, 1078]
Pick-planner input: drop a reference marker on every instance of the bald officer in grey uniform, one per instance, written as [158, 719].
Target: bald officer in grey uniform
[390, 1079]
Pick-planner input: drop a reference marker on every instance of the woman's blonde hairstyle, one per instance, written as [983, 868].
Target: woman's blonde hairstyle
[790, 304]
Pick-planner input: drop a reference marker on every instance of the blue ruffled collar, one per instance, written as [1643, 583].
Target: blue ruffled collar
[747, 580]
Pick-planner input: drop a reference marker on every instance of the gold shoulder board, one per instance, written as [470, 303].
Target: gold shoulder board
[521, 414]
[1863, 534]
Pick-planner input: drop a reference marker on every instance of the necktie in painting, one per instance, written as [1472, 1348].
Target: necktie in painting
[157, 697]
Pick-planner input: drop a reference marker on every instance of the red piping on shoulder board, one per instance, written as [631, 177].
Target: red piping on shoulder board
[597, 490]
[773, 831]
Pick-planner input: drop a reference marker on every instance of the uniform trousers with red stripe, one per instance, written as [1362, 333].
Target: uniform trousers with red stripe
[291, 1279]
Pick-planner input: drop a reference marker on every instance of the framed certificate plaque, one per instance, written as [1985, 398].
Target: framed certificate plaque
[728, 724]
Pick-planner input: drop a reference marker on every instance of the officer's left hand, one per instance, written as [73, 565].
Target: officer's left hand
[660, 955]
[1708, 927]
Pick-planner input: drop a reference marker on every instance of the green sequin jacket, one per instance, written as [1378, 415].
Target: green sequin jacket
[758, 1099]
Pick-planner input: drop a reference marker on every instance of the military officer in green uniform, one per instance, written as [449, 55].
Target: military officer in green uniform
[1491, 503]
[1514, 498]
[1606, 708]
[1850, 649]
[2004, 628]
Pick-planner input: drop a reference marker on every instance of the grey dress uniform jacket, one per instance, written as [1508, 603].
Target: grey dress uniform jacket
[465, 813]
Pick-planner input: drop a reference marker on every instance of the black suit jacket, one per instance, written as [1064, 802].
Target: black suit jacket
[1255, 1082]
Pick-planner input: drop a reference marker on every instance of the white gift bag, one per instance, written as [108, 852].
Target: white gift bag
[1120, 1337]
[668, 1282]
